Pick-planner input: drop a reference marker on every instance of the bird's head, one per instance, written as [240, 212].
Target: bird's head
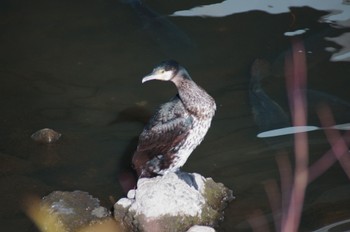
[165, 71]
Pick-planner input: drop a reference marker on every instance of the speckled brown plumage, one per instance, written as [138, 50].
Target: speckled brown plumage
[177, 127]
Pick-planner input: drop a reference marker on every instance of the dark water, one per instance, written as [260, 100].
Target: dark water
[76, 67]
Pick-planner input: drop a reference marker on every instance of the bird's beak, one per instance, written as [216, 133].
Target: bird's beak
[152, 76]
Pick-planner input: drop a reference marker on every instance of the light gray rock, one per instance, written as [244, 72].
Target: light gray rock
[46, 135]
[197, 228]
[74, 210]
[173, 202]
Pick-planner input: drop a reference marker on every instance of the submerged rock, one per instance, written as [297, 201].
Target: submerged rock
[73, 211]
[46, 135]
[173, 202]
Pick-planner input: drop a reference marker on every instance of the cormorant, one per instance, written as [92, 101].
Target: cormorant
[177, 127]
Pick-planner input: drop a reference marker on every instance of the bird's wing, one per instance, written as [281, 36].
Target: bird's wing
[167, 128]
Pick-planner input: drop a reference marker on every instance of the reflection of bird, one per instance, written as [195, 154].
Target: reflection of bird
[267, 113]
[177, 127]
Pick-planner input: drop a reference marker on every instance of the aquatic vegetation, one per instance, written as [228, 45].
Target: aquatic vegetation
[287, 201]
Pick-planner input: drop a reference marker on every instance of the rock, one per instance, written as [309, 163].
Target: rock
[72, 211]
[173, 202]
[46, 135]
[197, 228]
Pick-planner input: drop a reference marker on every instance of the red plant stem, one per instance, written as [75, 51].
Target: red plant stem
[274, 196]
[296, 81]
[286, 174]
[325, 162]
[338, 143]
[258, 221]
[321, 165]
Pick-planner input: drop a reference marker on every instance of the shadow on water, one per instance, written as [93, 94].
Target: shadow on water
[127, 175]
[173, 42]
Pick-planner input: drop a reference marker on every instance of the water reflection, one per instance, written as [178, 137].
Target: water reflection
[173, 41]
[273, 121]
[286, 202]
[344, 53]
[268, 114]
[339, 8]
[338, 16]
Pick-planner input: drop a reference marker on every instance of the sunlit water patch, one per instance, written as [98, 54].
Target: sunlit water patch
[338, 17]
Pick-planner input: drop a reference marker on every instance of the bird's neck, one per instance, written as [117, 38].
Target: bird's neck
[195, 99]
